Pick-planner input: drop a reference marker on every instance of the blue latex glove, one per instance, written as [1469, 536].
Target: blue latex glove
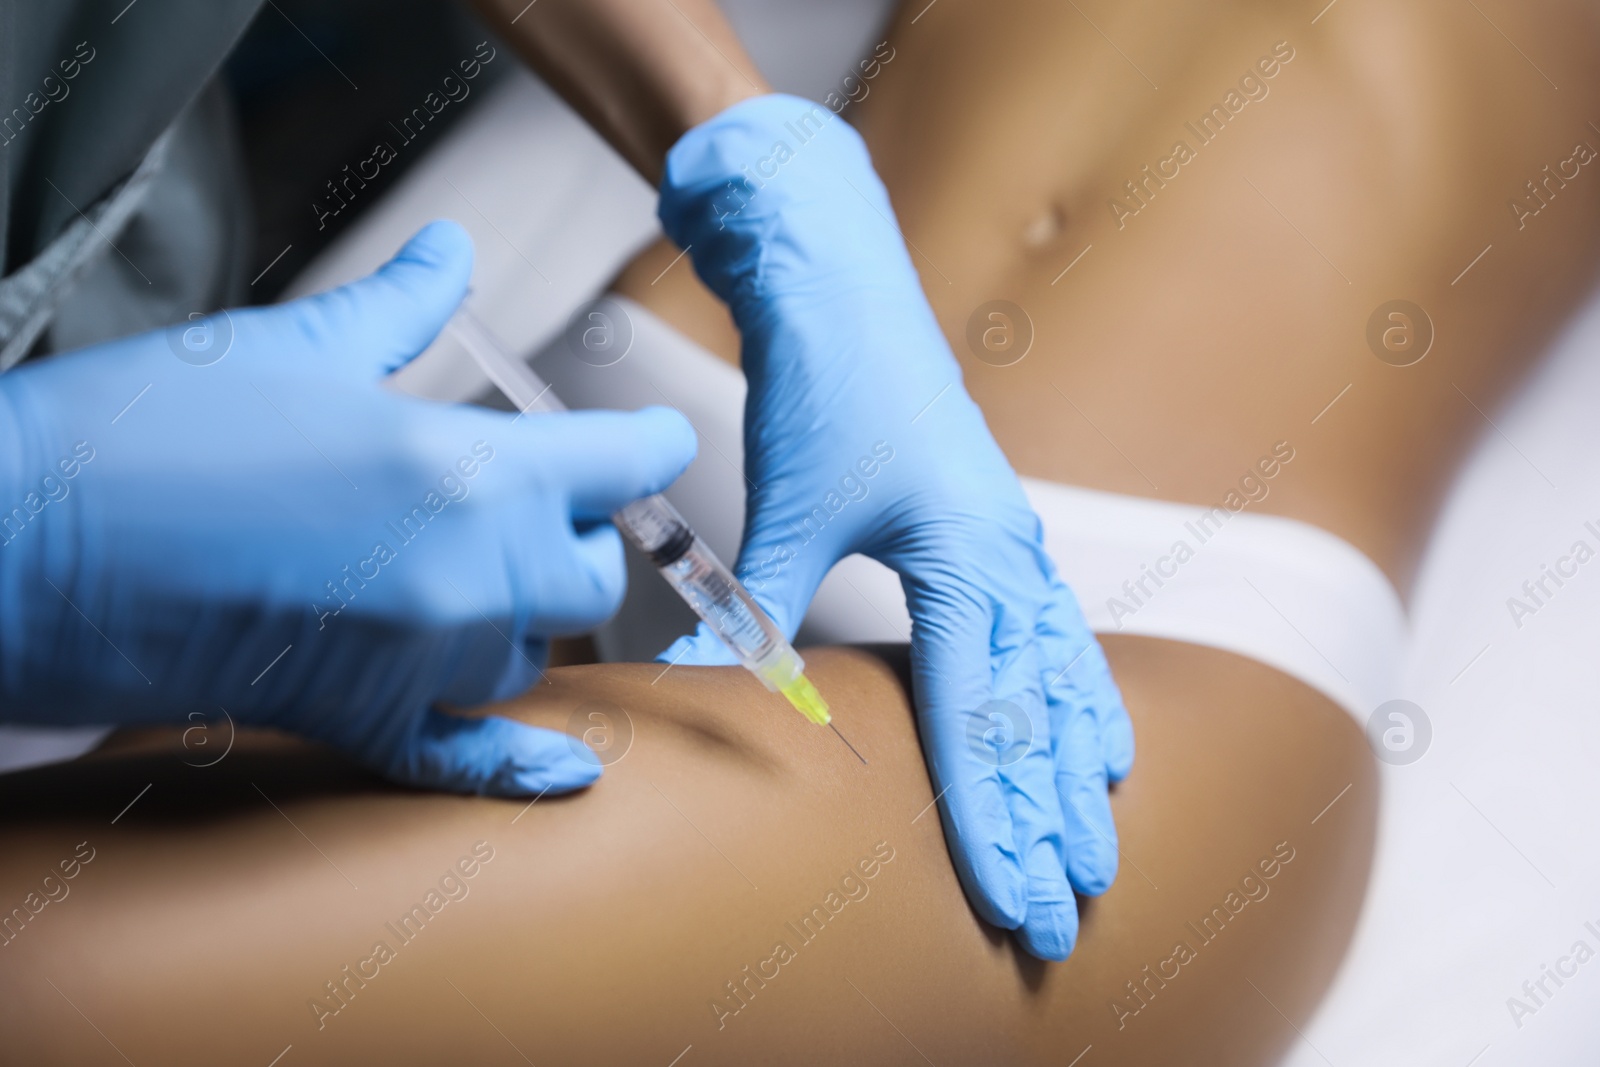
[860, 437]
[276, 534]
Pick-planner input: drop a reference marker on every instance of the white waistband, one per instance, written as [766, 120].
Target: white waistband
[1283, 592]
[1280, 591]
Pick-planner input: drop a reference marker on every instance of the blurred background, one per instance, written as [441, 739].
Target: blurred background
[283, 76]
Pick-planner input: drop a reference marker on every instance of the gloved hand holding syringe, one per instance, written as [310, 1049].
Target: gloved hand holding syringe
[655, 527]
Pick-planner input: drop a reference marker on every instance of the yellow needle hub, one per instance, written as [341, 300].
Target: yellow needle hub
[806, 700]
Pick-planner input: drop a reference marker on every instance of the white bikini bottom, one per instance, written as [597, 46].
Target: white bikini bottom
[1280, 591]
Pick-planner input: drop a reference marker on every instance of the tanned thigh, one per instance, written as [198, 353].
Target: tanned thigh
[739, 887]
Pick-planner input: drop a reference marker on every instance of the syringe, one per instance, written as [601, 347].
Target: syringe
[654, 526]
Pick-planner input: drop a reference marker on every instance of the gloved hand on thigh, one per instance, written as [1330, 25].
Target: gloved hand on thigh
[860, 437]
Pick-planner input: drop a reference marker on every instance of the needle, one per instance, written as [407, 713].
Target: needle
[847, 743]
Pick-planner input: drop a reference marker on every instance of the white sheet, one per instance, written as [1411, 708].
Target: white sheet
[1488, 863]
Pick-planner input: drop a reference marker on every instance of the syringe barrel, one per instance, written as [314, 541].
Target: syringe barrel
[656, 528]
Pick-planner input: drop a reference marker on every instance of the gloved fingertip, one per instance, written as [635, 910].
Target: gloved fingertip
[536, 761]
[379, 323]
[678, 441]
[1093, 871]
[699, 649]
[492, 756]
[555, 778]
[1116, 741]
[1050, 929]
[1001, 892]
[675, 652]
[1091, 844]
[426, 280]
[439, 242]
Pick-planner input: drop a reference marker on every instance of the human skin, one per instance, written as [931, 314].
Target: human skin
[605, 926]
[1183, 345]
[1189, 341]
[642, 72]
